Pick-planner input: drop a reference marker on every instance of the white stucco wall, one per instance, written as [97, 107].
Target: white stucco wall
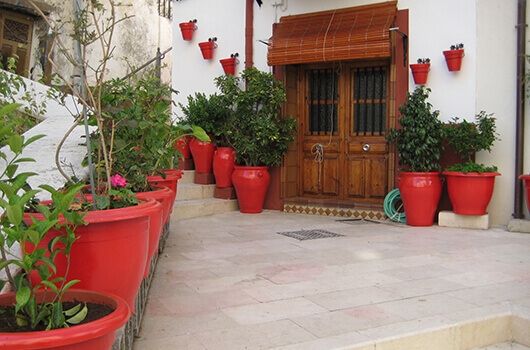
[485, 82]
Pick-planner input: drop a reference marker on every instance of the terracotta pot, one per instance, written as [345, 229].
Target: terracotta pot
[202, 153]
[453, 58]
[207, 49]
[229, 65]
[420, 193]
[470, 193]
[223, 166]
[251, 184]
[187, 29]
[110, 251]
[170, 181]
[526, 181]
[420, 72]
[98, 334]
[182, 145]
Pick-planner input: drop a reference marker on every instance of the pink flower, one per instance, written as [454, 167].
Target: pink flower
[118, 181]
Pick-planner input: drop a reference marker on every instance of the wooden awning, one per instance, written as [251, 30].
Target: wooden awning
[336, 35]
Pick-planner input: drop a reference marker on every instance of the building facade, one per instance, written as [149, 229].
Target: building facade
[350, 175]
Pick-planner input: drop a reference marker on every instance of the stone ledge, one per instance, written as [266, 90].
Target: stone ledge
[450, 219]
[519, 225]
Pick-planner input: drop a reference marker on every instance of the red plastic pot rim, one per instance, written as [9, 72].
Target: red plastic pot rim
[109, 215]
[420, 66]
[454, 53]
[188, 25]
[175, 172]
[246, 167]
[470, 174]
[419, 173]
[228, 61]
[525, 177]
[162, 190]
[207, 44]
[74, 334]
[169, 177]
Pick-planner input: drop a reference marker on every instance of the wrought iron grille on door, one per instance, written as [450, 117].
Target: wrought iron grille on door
[369, 101]
[323, 98]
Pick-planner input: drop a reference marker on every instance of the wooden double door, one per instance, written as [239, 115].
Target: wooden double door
[344, 118]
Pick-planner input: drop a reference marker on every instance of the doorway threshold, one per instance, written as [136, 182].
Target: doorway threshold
[334, 208]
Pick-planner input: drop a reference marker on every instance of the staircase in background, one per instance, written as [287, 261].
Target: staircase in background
[195, 200]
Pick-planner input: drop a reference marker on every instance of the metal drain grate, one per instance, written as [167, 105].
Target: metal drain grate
[305, 235]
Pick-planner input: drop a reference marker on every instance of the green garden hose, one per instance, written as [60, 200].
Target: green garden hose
[392, 208]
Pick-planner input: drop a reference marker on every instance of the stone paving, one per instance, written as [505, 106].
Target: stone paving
[231, 282]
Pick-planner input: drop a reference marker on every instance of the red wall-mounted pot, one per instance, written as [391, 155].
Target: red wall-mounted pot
[229, 65]
[454, 59]
[420, 72]
[187, 29]
[207, 49]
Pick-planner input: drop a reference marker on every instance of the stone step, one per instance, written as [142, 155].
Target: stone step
[187, 177]
[188, 191]
[186, 209]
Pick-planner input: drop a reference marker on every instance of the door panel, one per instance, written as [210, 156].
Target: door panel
[344, 111]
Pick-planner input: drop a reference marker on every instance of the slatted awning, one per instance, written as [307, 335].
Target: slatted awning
[336, 35]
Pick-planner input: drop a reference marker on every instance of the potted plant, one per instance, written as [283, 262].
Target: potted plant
[419, 141]
[45, 313]
[208, 47]
[470, 185]
[229, 64]
[454, 56]
[259, 135]
[211, 113]
[187, 29]
[420, 70]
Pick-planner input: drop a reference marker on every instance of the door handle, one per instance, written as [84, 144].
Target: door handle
[366, 147]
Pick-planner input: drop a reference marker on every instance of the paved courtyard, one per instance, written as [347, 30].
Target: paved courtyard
[231, 282]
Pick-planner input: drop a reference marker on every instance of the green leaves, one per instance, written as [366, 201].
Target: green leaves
[419, 140]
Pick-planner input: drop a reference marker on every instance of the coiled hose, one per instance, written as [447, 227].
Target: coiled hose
[391, 201]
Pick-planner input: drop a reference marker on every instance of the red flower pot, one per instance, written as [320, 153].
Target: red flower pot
[526, 180]
[229, 65]
[164, 196]
[251, 184]
[170, 180]
[187, 29]
[202, 153]
[420, 193]
[420, 72]
[183, 146]
[470, 193]
[207, 49]
[454, 59]
[98, 334]
[223, 166]
[110, 252]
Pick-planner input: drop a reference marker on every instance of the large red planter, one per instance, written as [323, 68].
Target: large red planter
[420, 72]
[251, 184]
[526, 180]
[170, 180]
[95, 335]
[470, 193]
[110, 252]
[156, 222]
[223, 166]
[454, 59]
[182, 145]
[420, 193]
[164, 196]
[207, 49]
[187, 29]
[202, 153]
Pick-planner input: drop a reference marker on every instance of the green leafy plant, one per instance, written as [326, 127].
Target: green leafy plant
[15, 194]
[419, 139]
[468, 138]
[209, 112]
[136, 120]
[255, 128]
